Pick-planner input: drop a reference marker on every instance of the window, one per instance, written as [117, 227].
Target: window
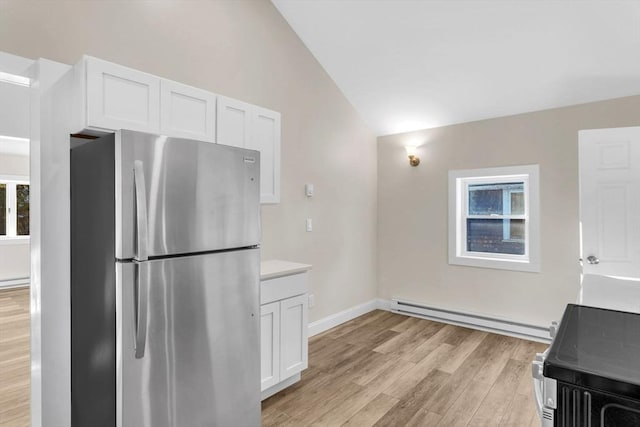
[494, 218]
[14, 208]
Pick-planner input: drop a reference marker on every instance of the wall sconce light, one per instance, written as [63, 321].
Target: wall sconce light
[414, 160]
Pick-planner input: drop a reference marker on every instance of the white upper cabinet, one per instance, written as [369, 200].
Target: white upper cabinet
[234, 122]
[187, 112]
[265, 137]
[244, 125]
[110, 97]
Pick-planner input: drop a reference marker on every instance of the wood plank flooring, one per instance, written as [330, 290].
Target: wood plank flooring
[380, 369]
[384, 369]
[14, 357]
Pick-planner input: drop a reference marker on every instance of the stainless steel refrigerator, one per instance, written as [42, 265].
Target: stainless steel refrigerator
[164, 283]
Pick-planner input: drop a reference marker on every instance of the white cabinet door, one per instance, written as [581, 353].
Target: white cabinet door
[265, 137]
[269, 345]
[234, 122]
[187, 112]
[118, 97]
[293, 336]
[244, 125]
[610, 201]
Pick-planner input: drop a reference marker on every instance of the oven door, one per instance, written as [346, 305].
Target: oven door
[544, 389]
[544, 392]
[578, 406]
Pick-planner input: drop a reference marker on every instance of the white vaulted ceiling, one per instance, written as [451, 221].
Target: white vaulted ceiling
[414, 64]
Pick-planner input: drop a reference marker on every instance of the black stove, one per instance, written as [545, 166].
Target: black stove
[595, 361]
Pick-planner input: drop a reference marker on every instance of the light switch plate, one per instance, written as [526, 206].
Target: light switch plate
[308, 190]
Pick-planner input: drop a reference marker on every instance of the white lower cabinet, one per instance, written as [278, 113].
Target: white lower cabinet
[283, 332]
[293, 336]
[269, 345]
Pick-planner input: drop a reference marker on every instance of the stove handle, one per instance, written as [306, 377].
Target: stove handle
[536, 372]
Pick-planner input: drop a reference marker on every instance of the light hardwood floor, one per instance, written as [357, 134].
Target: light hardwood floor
[385, 369]
[380, 369]
[14, 357]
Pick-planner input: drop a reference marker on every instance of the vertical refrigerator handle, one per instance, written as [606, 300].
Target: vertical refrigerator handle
[141, 211]
[141, 307]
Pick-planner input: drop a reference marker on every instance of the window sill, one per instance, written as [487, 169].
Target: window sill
[24, 240]
[500, 264]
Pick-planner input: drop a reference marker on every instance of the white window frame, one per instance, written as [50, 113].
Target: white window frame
[459, 181]
[11, 182]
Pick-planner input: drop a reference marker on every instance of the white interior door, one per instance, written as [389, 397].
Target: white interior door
[610, 201]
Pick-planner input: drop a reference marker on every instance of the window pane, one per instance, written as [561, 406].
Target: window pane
[22, 196]
[487, 199]
[517, 203]
[3, 209]
[496, 236]
[516, 228]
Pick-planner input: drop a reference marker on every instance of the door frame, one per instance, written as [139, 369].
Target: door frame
[49, 119]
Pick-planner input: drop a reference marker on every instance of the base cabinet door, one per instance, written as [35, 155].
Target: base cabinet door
[293, 336]
[269, 345]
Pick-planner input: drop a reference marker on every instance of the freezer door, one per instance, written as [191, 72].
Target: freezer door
[179, 196]
[188, 346]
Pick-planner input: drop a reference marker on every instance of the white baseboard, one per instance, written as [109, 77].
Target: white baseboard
[14, 283]
[280, 386]
[344, 316]
[384, 304]
[471, 320]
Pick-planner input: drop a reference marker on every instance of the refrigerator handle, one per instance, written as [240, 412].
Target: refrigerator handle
[141, 211]
[142, 306]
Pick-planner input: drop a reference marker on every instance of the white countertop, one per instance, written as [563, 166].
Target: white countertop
[276, 268]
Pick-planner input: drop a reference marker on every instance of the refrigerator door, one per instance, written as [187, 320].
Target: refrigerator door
[188, 346]
[180, 196]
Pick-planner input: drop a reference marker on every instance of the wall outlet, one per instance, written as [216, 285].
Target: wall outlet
[309, 224]
[312, 300]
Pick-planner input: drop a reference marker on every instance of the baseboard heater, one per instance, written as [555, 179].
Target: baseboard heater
[475, 321]
[14, 283]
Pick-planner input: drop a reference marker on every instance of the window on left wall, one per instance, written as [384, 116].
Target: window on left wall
[14, 209]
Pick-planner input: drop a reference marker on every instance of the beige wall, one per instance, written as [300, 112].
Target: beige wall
[12, 164]
[412, 210]
[14, 261]
[242, 49]
[14, 257]
[14, 110]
